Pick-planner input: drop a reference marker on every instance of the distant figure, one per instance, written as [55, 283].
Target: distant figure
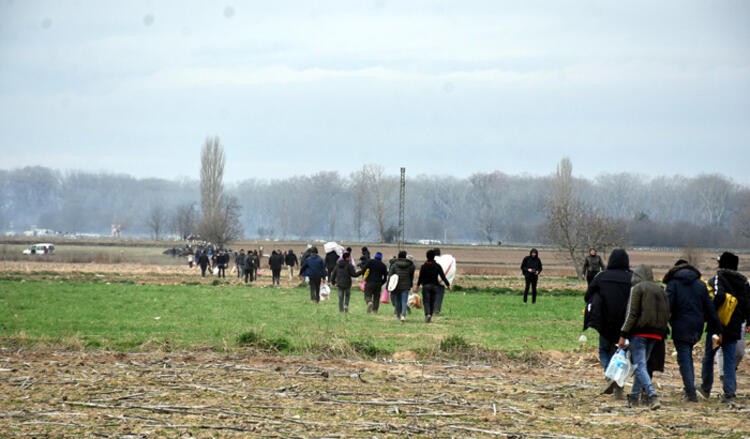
[248, 268]
[203, 262]
[592, 265]
[429, 273]
[222, 260]
[365, 258]
[404, 268]
[275, 262]
[239, 262]
[531, 266]
[291, 261]
[440, 291]
[376, 274]
[315, 269]
[341, 277]
[256, 263]
[331, 259]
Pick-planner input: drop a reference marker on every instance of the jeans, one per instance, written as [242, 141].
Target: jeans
[430, 294]
[531, 279]
[729, 383]
[606, 351]
[685, 360]
[640, 350]
[344, 294]
[399, 299]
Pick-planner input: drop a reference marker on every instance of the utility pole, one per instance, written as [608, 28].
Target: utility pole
[401, 201]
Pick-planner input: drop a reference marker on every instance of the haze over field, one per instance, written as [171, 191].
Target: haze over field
[442, 88]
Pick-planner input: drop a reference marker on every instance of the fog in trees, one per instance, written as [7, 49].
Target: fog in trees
[704, 210]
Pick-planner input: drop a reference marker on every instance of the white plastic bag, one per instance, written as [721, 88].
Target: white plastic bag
[325, 292]
[619, 368]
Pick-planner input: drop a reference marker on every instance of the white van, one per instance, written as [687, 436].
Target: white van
[40, 249]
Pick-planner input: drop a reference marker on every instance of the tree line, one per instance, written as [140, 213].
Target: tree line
[706, 210]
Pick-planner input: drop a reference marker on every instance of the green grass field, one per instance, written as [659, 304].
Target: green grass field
[224, 317]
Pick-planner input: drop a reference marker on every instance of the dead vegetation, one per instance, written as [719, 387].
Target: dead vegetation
[54, 394]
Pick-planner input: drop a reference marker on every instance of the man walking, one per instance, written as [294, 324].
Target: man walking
[690, 308]
[726, 285]
[315, 269]
[645, 325]
[606, 302]
[428, 276]
[291, 261]
[376, 274]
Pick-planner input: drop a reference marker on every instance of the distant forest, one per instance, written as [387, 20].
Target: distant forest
[485, 208]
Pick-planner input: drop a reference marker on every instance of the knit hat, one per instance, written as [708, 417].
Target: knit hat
[378, 255]
[729, 261]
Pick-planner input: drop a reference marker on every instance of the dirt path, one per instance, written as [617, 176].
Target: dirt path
[75, 394]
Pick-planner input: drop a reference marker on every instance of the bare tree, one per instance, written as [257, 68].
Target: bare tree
[573, 226]
[486, 192]
[375, 179]
[157, 220]
[185, 219]
[359, 194]
[741, 221]
[220, 222]
[713, 193]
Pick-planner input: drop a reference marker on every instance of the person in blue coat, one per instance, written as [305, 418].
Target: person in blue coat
[314, 268]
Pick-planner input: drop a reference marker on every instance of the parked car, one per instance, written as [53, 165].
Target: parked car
[40, 249]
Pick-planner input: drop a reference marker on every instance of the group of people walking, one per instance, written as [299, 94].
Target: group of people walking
[632, 311]
[399, 275]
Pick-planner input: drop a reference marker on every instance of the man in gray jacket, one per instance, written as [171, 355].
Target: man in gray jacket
[645, 324]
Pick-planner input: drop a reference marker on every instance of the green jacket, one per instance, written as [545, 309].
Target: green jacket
[648, 306]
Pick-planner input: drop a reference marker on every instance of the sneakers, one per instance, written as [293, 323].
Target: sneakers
[633, 401]
[703, 393]
[609, 387]
[346, 309]
[652, 401]
[403, 319]
[689, 398]
[619, 393]
[730, 401]
[428, 318]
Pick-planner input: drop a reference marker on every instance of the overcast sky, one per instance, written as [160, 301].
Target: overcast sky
[439, 87]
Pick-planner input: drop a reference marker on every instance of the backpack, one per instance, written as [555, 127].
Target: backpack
[727, 308]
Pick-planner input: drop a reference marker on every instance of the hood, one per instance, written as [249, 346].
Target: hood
[342, 263]
[532, 251]
[618, 260]
[735, 277]
[403, 263]
[641, 273]
[684, 273]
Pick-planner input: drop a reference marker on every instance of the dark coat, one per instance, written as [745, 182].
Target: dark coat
[607, 297]
[378, 272]
[313, 267]
[290, 259]
[689, 304]
[592, 264]
[404, 268]
[276, 261]
[343, 273]
[331, 259]
[532, 262]
[734, 283]
[429, 273]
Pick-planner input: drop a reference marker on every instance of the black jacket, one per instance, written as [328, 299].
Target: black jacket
[607, 297]
[290, 259]
[378, 272]
[532, 262]
[689, 305]
[429, 273]
[342, 274]
[734, 283]
[276, 261]
[331, 259]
